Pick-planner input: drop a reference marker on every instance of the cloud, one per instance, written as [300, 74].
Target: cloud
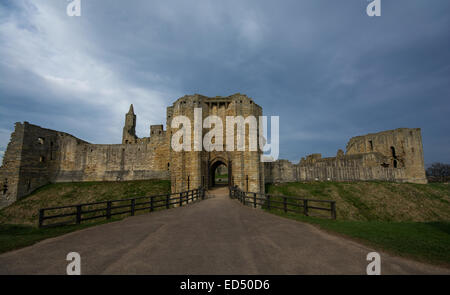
[327, 69]
[54, 51]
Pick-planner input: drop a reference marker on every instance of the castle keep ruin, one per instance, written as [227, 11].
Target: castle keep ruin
[393, 155]
[37, 156]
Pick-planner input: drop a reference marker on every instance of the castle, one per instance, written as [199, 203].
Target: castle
[37, 156]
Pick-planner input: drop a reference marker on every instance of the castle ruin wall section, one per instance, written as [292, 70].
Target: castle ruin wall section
[37, 156]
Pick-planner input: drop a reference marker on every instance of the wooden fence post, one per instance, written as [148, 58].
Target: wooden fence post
[78, 214]
[243, 198]
[133, 204]
[305, 207]
[285, 204]
[254, 200]
[151, 204]
[333, 210]
[181, 199]
[167, 201]
[108, 210]
[268, 201]
[41, 217]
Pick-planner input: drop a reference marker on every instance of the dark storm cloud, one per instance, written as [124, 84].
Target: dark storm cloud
[327, 69]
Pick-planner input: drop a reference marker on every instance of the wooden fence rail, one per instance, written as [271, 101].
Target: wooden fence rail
[78, 213]
[285, 203]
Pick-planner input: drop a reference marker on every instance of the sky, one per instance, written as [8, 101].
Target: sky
[327, 69]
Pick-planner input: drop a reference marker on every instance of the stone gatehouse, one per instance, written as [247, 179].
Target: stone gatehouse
[37, 156]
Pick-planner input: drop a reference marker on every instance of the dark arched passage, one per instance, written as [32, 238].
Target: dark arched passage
[218, 173]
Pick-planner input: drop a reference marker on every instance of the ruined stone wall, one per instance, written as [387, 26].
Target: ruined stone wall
[91, 162]
[394, 155]
[402, 148]
[9, 171]
[37, 156]
[331, 169]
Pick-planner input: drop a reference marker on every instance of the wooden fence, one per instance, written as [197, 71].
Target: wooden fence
[75, 214]
[285, 203]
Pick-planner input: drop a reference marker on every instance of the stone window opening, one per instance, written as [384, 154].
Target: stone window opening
[5, 187]
[394, 157]
[393, 152]
[42, 159]
[371, 145]
[41, 140]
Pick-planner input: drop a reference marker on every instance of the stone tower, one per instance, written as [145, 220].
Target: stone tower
[192, 169]
[401, 149]
[129, 130]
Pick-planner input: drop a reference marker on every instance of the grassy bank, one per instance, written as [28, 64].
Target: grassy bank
[25, 211]
[18, 222]
[408, 220]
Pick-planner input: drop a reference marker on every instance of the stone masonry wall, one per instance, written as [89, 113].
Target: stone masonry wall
[9, 171]
[193, 169]
[37, 156]
[393, 155]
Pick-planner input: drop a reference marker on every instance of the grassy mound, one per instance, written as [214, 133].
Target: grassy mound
[376, 201]
[26, 211]
[410, 220]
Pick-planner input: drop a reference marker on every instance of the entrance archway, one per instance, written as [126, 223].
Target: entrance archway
[219, 173]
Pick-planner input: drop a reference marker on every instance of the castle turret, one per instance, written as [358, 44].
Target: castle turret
[129, 130]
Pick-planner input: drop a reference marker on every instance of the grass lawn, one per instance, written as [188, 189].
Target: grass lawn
[15, 236]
